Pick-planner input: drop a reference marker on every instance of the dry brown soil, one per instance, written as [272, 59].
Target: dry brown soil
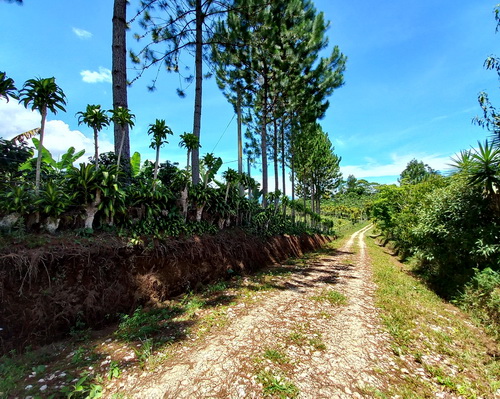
[321, 349]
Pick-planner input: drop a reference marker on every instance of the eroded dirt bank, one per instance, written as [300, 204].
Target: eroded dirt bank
[44, 291]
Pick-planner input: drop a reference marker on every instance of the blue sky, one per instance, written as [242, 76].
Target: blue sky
[414, 70]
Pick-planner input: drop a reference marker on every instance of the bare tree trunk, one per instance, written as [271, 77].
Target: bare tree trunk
[43, 112]
[184, 202]
[96, 149]
[198, 92]
[91, 210]
[119, 75]
[155, 173]
[199, 212]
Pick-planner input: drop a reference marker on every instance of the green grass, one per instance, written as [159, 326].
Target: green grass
[276, 386]
[276, 356]
[333, 297]
[433, 335]
[143, 324]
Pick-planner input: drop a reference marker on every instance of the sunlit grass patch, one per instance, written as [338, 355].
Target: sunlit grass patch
[333, 297]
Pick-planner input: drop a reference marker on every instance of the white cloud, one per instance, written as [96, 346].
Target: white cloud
[15, 119]
[82, 34]
[104, 75]
[395, 166]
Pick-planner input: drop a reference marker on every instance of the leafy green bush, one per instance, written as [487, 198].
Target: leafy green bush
[456, 232]
[481, 297]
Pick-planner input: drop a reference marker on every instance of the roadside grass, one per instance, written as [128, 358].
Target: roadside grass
[438, 351]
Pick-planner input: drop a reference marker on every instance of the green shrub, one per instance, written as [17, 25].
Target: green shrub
[456, 232]
[144, 324]
[481, 297]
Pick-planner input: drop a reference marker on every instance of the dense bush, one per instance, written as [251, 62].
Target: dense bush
[456, 233]
[481, 297]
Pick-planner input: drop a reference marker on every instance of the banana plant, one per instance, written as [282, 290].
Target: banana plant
[67, 159]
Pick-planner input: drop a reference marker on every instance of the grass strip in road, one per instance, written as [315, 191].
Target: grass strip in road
[438, 351]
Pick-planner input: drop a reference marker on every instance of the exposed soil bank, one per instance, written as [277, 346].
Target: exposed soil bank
[46, 291]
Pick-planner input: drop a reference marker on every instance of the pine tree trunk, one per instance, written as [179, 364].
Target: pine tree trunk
[275, 149]
[263, 145]
[198, 91]
[283, 157]
[293, 188]
[240, 142]
[119, 75]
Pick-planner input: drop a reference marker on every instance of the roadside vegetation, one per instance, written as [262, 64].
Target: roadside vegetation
[437, 350]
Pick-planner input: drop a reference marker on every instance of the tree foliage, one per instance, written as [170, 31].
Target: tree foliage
[416, 172]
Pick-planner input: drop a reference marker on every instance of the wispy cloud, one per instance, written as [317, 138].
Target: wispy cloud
[103, 75]
[82, 33]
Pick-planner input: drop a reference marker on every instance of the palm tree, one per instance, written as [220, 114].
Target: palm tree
[190, 142]
[7, 87]
[231, 177]
[96, 118]
[43, 94]
[122, 117]
[159, 130]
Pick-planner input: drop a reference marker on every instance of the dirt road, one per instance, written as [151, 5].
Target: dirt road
[318, 336]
